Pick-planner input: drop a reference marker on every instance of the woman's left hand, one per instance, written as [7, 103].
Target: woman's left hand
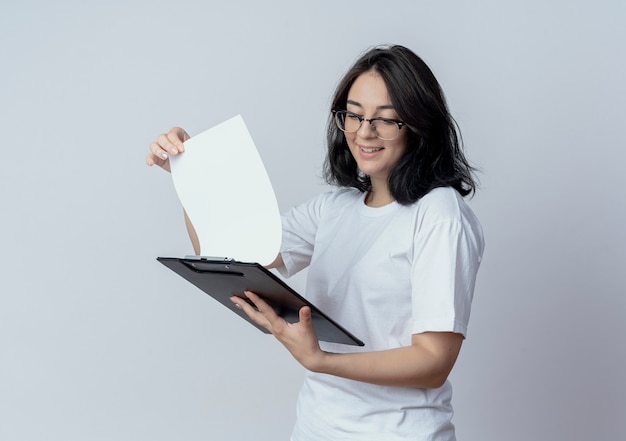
[299, 338]
[425, 363]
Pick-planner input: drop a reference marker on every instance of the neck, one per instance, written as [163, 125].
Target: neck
[378, 197]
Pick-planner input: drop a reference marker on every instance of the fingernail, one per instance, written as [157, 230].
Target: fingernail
[164, 155]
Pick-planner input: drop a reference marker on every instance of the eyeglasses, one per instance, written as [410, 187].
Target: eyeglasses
[386, 129]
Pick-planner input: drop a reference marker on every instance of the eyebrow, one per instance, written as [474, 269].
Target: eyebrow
[383, 107]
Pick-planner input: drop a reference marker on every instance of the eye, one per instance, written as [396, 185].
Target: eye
[353, 116]
[386, 121]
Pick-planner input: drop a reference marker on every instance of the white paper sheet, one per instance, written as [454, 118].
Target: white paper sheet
[222, 183]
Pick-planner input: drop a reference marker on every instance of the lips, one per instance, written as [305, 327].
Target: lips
[371, 150]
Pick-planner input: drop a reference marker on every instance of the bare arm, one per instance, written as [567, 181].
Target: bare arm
[278, 262]
[166, 144]
[426, 363]
[192, 235]
[172, 143]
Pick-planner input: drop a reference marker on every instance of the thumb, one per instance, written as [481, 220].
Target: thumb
[305, 315]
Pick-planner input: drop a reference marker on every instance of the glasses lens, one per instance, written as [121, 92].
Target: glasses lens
[339, 120]
[347, 121]
[351, 122]
[385, 129]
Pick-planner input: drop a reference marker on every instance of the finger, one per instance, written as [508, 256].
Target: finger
[262, 306]
[251, 311]
[158, 156]
[305, 315]
[177, 137]
[158, 150]
[166, 144]
[151, 160]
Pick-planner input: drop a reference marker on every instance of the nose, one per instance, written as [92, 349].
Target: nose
[366, 130]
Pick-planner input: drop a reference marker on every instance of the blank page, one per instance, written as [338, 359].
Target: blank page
[222, 183]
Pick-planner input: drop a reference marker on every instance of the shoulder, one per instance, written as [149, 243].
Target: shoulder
[326, 204]
[340, 195]
[443, 216]
[335, 199]
[444, 204]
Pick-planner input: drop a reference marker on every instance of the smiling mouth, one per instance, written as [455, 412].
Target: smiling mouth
[371, 150]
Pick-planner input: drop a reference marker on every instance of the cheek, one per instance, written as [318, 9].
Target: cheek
[350, 137]
[400, 147]
[350, 140]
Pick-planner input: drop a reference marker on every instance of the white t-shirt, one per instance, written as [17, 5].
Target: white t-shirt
[384, 274]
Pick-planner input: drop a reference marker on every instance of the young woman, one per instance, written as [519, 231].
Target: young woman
[392, 254]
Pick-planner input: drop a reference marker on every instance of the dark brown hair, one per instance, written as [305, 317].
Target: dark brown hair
[434, 157]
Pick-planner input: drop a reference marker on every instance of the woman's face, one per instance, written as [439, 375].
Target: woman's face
[368, 97]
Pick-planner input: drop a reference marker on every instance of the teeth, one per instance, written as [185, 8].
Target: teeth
[371, 150]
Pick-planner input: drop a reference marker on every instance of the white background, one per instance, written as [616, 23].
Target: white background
[100, 342]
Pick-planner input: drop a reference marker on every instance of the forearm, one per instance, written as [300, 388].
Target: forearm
[411, 366]
[426, 363]
[192, 235]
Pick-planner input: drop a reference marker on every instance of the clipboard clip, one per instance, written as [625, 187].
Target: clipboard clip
[210, 258]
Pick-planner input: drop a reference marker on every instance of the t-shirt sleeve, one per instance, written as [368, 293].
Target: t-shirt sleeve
[446, 258]
[299, 228]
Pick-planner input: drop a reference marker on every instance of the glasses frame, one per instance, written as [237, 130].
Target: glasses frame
[337, 114]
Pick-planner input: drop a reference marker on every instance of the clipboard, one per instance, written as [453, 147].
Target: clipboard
[223, 278]
[203, 179]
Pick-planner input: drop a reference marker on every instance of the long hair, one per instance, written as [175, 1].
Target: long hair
[434, 156]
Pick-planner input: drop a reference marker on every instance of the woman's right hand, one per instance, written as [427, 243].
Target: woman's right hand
[170, 143]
